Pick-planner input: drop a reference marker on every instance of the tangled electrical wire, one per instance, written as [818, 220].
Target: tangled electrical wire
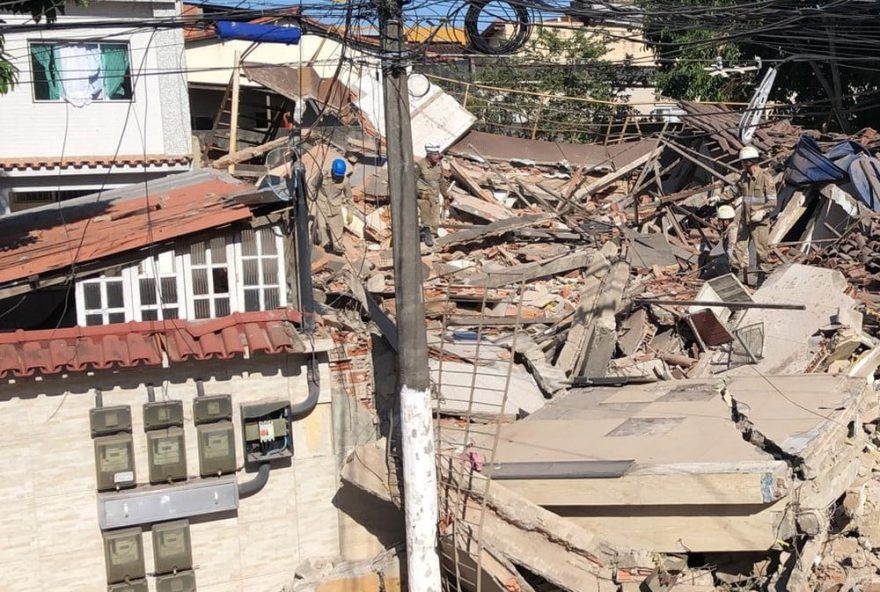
[521, 21]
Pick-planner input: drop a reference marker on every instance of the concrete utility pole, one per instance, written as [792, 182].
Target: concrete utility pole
[417, 430]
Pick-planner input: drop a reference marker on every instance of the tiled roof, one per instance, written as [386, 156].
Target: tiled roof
[91, 162]
[53, 238]
[80, 349]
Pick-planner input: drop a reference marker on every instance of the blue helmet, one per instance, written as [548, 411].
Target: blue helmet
[338, 168]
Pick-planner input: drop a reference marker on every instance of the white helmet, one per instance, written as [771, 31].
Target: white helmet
[725, 213]
[749, 153]
[432, 149]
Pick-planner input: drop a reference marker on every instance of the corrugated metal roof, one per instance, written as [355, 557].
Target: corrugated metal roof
[54, 237]
[80, 349]
[91, 162]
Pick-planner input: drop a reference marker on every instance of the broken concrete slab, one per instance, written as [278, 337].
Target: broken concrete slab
[500, 389]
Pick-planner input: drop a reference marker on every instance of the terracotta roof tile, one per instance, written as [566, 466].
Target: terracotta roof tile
[92, 227]
[125, 345]
[90, 162]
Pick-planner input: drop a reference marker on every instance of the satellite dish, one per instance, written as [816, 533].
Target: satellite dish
[750, 119]
[278, 172]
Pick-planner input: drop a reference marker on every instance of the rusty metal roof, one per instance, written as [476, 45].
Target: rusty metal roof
[81, 349]
[57, 236]
[91, 162]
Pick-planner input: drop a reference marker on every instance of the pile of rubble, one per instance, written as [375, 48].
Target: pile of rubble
[565, 272]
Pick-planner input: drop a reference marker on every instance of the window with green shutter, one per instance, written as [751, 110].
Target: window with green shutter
[101, 71]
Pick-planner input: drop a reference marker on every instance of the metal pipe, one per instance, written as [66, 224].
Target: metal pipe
[151, 393]
[200, 388]
[99, 398]
[251, 487]
[714, 304]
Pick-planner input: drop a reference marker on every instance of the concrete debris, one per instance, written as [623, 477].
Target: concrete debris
[558, 295]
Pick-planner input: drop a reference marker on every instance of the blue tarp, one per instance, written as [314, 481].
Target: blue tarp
[846, 161]
[261, 33]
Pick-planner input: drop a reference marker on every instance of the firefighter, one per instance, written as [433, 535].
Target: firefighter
[431, 183]
[331, 196]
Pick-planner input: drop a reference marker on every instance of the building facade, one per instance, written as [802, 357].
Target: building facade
[94, 108]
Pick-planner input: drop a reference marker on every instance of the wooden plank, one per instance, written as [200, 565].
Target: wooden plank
[726, 528]
[740, 484]
[576, 339]
[504, 321]
[613, 176]
[531, 271]
[248, 153]
[485, 210]
[463, 177]
[492, 229]
[794, 208]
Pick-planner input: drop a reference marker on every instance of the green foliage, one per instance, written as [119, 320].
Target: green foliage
[39, 10]
[554, 67]
[840, 95]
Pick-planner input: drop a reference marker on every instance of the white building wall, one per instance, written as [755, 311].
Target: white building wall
[155, 122]
[51, 539]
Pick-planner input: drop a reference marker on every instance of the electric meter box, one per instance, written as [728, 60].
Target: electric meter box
[212, 408]
[216, 448]
[184, 581]
[266, 431]
[132, 586]
[124, 555]
[114, 462]
[167, 455]
[172, 549]
[163, 414]
[105, 421]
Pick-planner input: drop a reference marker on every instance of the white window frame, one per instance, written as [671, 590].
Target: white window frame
[105, 311]
[232, 276]
[186, 299]
[152, 265]
[59, 42]
[240, 258]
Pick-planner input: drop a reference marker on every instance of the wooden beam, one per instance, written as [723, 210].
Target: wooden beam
[233, 118]
[248, 153]
[492, 229]
[531, 271]
[613, 176]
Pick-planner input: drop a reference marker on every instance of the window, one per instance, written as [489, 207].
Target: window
[262, 273]
[210, 282]
[158, 288]
[102, 300]
[23, 200]
[81, 72]
[239, 272]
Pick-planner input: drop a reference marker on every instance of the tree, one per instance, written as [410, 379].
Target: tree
[550, 69]
[826, 58]
[47, 10]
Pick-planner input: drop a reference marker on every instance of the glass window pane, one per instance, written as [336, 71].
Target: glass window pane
[150, 315]
[272, 299]
[202, 309]
[116, 317]
[170, 313]
[222, 307]
[200, 281]
[248, 243]
[251, 300]
[221, 280]
[197, 253]
[251, 270]
[218, 250]
[169, 290]
[270, 272]
[148, 291]
[114, 295]
[92, 295]
[267, 241]
[94, 319]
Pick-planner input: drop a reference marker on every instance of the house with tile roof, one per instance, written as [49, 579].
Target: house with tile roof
[94, 109]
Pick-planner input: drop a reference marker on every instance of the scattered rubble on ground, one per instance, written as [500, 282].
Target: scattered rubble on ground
[739, 453]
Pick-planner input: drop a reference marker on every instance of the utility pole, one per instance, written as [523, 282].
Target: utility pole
[416, 424]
